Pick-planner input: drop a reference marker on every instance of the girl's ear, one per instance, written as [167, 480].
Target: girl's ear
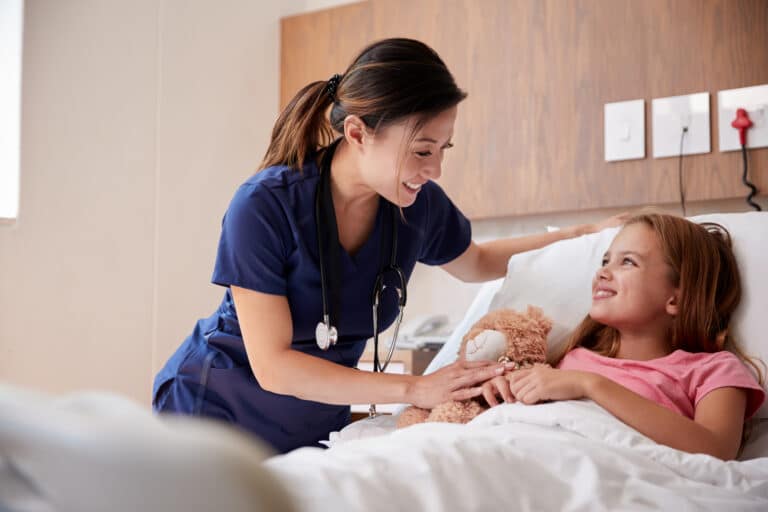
[672, 306]
[355, 131]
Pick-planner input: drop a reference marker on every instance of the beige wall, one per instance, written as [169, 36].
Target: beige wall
[75, 269]
[139, 119]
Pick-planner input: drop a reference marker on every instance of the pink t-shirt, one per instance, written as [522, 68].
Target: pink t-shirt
[677, 381]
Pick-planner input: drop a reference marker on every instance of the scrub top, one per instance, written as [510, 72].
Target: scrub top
[269, 244]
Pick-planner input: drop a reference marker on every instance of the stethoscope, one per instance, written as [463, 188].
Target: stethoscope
[326, 333]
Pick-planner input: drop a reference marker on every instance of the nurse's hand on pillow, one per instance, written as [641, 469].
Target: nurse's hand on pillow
[610, 222]
[458, 381]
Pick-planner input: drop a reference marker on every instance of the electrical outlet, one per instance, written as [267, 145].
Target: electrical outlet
[624, 123]
[755, 101]
[671, 115]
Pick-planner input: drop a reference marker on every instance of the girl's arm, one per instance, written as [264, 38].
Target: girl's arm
[487, 261]
[715, 430]
[265, 321]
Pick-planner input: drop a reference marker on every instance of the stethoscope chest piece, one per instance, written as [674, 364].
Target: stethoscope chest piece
[325, 334]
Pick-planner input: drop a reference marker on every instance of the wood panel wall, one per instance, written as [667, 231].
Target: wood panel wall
[529, 138]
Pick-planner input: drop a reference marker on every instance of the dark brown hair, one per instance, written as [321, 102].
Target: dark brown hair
[390, 80]
[703, 266]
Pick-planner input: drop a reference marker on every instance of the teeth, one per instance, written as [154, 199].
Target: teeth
[412, 186]
[604, 293]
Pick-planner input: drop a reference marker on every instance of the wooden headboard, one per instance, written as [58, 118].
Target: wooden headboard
[529, 138]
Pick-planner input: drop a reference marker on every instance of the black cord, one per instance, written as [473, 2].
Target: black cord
[680, 170]
[753, 189]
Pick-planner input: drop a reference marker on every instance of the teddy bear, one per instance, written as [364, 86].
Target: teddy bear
[503, 335]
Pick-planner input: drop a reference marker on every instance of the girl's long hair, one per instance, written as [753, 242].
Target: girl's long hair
[703, 267]
[388, 81]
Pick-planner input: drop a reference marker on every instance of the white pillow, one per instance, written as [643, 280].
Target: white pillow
[558, 278]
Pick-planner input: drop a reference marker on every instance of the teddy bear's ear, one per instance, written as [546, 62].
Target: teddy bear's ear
[534, 311]
[537, 314]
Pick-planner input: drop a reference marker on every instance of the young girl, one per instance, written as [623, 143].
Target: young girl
[653, 349]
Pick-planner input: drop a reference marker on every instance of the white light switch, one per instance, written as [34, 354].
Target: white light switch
[624, 130]
[755, 101]
[670, 115]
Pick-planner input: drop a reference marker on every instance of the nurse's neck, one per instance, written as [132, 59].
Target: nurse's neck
[350, 193]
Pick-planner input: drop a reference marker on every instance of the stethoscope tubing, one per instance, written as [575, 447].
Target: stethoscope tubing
[323, 189]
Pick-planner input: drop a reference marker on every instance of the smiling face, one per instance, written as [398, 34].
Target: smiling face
[396, 167]
[633, 288]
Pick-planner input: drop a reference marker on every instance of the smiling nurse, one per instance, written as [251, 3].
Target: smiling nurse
[344, 205]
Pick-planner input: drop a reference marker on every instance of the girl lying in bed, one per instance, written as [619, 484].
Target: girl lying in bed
[653, 349]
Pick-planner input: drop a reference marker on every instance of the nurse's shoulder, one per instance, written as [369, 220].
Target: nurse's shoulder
[278, 178]
[261, 219]
[273, 191]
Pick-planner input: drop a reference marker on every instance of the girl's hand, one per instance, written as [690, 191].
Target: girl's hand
[497, 386]
[457, 381]
[542, 383]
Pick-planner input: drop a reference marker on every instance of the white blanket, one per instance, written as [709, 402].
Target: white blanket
[565, 456]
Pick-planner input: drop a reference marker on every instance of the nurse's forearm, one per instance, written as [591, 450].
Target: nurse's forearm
[494, 255]
[312, 378]
[483, 262]
[487, 261]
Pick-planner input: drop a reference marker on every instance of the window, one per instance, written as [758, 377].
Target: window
[11, 20]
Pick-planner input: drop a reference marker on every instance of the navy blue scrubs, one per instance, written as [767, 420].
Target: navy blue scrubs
[269, 244]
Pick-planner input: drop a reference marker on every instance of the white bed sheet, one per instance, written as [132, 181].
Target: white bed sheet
[565, 456]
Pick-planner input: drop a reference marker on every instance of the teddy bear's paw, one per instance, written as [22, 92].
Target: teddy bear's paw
[411, 416]
[456, 411]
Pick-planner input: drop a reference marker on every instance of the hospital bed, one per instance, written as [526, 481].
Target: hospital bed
[89, 452]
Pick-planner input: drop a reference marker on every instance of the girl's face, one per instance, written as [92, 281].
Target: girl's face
[418, 162]
[633, 289]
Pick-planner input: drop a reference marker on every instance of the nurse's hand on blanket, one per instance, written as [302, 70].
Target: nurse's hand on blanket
[542, 383]
[457, 381]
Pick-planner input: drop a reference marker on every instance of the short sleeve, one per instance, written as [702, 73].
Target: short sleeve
[724, 369]
[252, 250]
[447, 233]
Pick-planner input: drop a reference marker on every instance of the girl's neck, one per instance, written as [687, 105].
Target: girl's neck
[643, 345]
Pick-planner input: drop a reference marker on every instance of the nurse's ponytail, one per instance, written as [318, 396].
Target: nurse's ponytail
[389, 80]
[301, 128]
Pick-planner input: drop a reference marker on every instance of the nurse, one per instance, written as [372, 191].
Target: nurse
[351, 167]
